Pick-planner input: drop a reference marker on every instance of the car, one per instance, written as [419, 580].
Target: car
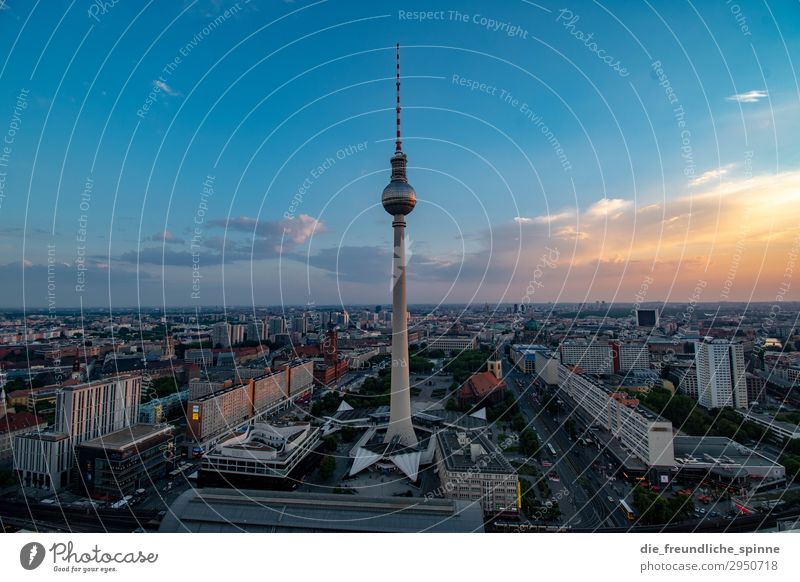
[713, 514]
[702, 510]
[610, 499]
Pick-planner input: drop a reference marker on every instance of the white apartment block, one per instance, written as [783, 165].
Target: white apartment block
[645, 434]
[593, 357]
[43, 459]
[88, 411]
[450, 343]
[83, 412]
[605, 357]
[721, 379]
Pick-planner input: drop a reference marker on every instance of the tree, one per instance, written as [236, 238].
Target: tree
[328, 467]
[451, 404]
[419, 365]
[528, 443]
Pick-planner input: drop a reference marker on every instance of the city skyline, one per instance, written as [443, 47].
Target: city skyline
[662, 169]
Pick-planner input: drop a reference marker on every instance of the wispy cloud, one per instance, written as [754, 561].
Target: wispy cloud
[609, 207]
[296, 230]
[544, 218]
[158, 83]
[711, 175]
[164, 237]
[748, 97]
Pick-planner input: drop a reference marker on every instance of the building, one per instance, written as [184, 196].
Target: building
[221, 335]
[255, 332]
[484, 388]
[216, 415]
[472, 468]
[593, 357]
[88, 411]
[756, 388]
[781, 429]
[333, 365]
[524, 356]
[453, 342]
[201, 357]
[630, 357]
[547, 365]
[605, 357]
[276, 326]
[647, 318]
[721, 379]
[684, 376]
[164, 408]
[119, 463]
[267, 456]
[641, 432]
[199, 387]
[234, 510]
[43, 459]
[399, 199]
[725, 462]
[13, 424]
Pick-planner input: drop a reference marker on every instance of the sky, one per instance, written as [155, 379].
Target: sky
[201, 153]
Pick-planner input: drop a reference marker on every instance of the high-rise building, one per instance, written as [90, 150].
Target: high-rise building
[721, 379]
[221, 335]
[87, 411]
[276, 326]
[647, 318]
[44, 458]
[399, 199]
[300, 324]
[238, 332]
[255, 331]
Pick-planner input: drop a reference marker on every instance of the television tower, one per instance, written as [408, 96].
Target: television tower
[398, 200]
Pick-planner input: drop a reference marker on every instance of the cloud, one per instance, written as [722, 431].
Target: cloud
[570, 233]
[296, 230]
[748, 97]
[678, 242]
[711, 175]
[608, 208]
[263, 239]
[164, 237]
[545, 218]
[159, 84]
[55, 286]
[167, 256]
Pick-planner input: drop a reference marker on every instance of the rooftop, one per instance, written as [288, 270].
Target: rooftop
[472, 452]
[225, 510]
[720, 451]
[128, 437]
[13, 422]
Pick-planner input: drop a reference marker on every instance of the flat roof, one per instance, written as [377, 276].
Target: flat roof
[770, 420]
[230, 510]
[717, 451]
[456, 448]
[127, 437]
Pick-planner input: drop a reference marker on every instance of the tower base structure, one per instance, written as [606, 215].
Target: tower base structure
[373, 448]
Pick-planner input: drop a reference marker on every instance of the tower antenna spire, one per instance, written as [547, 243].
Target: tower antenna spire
[398, 143]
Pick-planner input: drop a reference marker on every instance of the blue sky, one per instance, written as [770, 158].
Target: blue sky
[551, 148]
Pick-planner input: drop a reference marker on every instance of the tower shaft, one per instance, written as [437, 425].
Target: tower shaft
[400, 409]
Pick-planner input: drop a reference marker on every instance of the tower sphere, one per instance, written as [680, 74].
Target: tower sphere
[399, 196]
